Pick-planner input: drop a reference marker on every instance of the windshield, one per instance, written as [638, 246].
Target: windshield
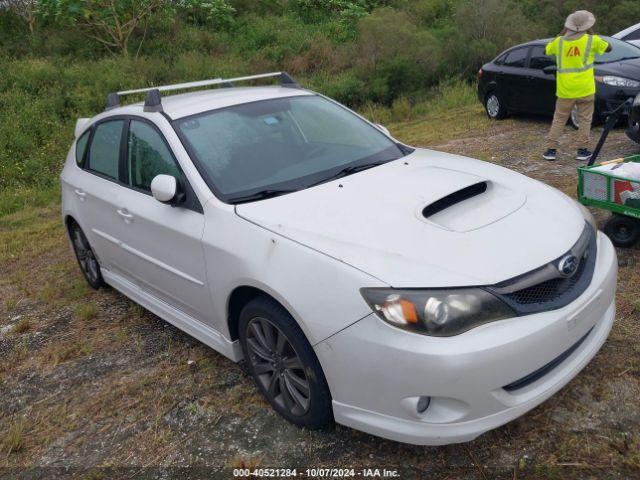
[282, 144]
[620, 50]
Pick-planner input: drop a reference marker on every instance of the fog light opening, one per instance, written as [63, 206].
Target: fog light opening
[423, 404]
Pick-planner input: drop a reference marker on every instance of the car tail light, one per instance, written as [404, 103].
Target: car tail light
[480, 72]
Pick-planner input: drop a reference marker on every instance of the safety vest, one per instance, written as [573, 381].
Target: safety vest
[575, 59]
[575, 77]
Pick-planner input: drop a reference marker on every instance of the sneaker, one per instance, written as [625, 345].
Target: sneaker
[550, 154]
[583, 154]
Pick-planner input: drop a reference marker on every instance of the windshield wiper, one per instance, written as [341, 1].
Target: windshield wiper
[349, 170]
[261, 195]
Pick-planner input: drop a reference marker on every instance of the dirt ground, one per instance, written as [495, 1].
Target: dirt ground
[92, 386]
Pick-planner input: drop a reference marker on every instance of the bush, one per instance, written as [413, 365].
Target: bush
[396, 55]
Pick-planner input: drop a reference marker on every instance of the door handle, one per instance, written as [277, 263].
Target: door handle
[80, 194]
[126, 216]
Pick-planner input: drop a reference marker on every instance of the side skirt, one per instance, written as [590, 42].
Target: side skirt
[179, 319]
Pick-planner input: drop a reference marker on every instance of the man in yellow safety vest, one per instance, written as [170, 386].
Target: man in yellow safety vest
[575, 50]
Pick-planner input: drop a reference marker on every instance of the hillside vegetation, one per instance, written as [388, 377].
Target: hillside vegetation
[59, 58]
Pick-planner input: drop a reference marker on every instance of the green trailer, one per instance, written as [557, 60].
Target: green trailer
[601, 186]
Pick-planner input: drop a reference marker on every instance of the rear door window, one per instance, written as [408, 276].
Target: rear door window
[539, 60]
[516, 58]
[104, 154]
[148, 156]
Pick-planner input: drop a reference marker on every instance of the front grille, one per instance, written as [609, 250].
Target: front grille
[550, 293]
[551, 290]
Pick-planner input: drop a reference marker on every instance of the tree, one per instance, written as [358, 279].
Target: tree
[213, 12]
[109, 22]
[26, 9]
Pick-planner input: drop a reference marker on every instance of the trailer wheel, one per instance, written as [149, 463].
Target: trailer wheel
[623, 231]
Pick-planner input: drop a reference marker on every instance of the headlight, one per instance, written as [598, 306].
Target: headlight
[618, 81]
[438, 312]
[636, 102]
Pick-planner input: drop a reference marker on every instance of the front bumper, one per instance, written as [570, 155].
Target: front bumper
[608, 98]
[377, 373]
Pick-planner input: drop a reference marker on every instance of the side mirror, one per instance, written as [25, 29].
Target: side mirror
[383, 129]
[164, 188]
[550, 70]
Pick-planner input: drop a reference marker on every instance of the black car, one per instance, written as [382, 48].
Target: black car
[523, 79]
[633, 131]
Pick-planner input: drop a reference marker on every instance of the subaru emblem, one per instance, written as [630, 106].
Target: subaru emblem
[568, 265]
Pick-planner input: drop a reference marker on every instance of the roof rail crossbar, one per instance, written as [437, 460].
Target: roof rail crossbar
[153, 101]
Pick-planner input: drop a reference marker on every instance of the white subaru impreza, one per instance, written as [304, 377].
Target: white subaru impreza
[412, 294]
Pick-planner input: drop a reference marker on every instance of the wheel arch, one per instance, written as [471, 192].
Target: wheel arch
[69, 220]
[241, 296]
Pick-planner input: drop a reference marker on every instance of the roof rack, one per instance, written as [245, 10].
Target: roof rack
[153, 101]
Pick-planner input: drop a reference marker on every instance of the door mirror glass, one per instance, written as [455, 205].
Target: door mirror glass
[383, 129]
[164, 188]
[550, 70]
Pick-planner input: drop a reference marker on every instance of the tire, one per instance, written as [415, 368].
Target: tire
[87, 260]
[283, 364]
[623, 231]
[573, 118]
[494, 106]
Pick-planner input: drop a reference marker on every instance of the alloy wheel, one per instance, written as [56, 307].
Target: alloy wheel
[278, 367]
[86, 257]
[575, 120]
[493, 105]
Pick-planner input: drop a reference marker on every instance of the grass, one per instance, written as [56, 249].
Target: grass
[85, 311]
[23, 325]
[13, 439]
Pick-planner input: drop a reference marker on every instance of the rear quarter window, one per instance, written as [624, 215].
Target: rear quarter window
[81, 147]
[633, 35]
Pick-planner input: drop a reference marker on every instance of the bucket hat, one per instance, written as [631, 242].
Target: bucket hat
[580, 21]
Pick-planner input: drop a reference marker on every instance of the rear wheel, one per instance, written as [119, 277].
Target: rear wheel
[86, 258]
[622, 230]
[494, 106]
[283, 364]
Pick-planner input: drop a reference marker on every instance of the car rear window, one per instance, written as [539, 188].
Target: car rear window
[516, 58]
[104, 153]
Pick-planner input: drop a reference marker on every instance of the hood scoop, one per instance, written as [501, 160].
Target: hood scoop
[454, 198]
[472, 207]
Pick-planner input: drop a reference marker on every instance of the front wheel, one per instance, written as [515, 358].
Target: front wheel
[494, 106]
[283, 364]
[574, 119]
[623, 231]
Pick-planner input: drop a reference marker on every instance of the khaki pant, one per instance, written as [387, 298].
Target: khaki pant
[562, 114]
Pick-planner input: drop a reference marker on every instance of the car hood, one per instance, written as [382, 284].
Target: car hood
[627, 68]
[374, 221]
